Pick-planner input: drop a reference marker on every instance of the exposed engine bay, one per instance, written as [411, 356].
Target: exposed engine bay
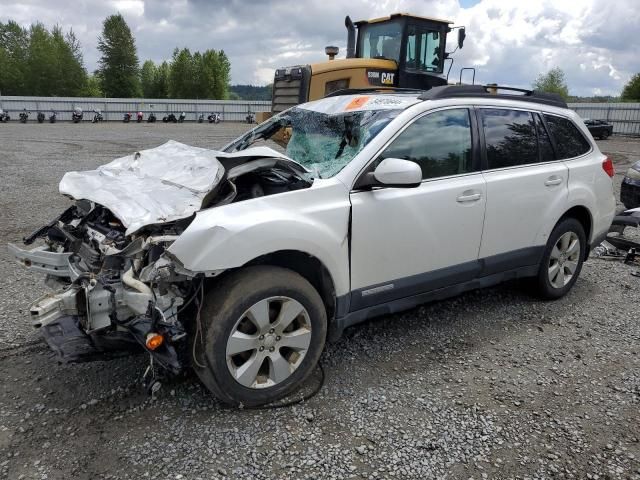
[115, 288]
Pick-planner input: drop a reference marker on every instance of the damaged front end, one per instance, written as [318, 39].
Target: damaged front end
[116, 289]
[112, 293]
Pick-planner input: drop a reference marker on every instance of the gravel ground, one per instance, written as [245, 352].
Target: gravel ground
[491, 384]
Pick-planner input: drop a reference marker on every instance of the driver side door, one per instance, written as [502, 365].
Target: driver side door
[407, 241]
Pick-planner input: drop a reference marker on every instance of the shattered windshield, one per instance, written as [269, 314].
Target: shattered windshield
[322, 142]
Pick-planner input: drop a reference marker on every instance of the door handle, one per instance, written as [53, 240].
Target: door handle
[551, 181]
[469, 197]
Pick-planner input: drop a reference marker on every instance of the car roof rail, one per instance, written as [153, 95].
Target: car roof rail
[352, 91]
[493, 91]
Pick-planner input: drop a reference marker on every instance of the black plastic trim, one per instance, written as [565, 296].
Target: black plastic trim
[444, 277]
[406, 303]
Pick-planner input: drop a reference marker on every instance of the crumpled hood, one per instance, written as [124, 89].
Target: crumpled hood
[158, 185]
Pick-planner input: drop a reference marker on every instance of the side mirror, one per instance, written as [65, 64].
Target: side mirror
[462, 34]
[393, 172]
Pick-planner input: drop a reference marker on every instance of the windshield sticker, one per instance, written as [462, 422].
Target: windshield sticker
[352, 103]
[357, 103]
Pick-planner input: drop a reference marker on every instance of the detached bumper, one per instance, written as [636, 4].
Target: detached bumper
[41, 260]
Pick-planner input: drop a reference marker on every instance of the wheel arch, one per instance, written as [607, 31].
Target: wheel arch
[582, 215]
[307, 266]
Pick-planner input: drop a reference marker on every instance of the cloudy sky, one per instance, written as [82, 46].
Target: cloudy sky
[509, 42]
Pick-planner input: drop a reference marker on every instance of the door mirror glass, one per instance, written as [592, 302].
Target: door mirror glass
[395, 172]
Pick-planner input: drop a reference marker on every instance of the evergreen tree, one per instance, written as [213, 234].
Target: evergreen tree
[119, 62]
[161, 89]
[14, 45]
[631, 91]
[148, 75]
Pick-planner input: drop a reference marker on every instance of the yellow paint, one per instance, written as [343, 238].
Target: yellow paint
[354, 69]
[389, 17]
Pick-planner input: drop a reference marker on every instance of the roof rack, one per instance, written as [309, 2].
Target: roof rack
[493, 91]
[351, 91]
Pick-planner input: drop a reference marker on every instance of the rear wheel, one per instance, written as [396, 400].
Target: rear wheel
[604, 135]
[264, 329]
[562, 259]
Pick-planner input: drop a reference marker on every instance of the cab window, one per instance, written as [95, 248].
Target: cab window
[423, 50]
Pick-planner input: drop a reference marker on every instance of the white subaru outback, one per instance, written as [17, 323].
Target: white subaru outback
[240, 263]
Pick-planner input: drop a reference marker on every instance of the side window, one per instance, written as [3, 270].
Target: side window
[439, 142]
[510, 137]
[544, 142]
[569, 140]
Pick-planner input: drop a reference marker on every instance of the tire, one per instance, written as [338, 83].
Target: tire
[225, 315]
[605, 135]
[548, 285]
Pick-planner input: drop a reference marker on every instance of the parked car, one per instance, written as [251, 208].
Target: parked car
[630, 187]
[599, 128]
[326, 215]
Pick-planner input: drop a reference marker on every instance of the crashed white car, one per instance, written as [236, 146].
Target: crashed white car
[239, 263]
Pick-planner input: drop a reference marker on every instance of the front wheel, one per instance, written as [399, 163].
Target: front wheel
[562, 259]
[262, 330]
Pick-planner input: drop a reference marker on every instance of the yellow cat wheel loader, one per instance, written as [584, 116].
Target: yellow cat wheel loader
[401, 51]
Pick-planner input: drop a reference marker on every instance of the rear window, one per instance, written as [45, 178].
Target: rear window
[569, 140]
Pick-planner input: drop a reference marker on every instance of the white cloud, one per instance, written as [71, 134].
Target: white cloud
[508, 42]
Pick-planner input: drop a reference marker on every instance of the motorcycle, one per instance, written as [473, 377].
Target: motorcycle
[201, 118]
[182, 117]
[139, 117]
[24, 116]
[53, 117]
[77, 115]
[40, 117]
[170, 118]
[250, 118]
[97, 117]
[4, 116]
[215, 117]
[127, 118]
[151, 118]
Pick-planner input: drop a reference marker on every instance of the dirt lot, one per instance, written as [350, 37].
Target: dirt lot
[492, 384]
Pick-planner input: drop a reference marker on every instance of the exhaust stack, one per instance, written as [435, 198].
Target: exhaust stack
[351, 37]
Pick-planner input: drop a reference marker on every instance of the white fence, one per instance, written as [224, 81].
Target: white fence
[625, 117]
[115, 108]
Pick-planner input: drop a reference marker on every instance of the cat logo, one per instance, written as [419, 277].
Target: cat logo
[387, 78]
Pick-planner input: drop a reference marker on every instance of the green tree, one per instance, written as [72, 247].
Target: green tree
[40, 69]
[92, 87]
[14, 45]
[181, 76]
[631, 91]
[161, 89]
[223, 75]
[553, 82]
[118, 65]
[148, 75]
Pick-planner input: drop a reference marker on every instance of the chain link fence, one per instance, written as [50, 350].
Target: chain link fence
[113, 109]
[625, 117]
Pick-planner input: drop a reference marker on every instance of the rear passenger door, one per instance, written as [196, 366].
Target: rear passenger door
[526, 186]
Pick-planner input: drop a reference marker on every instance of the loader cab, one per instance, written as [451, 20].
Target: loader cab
[416, 44]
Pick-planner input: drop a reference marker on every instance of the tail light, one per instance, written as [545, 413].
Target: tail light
[607, 166]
